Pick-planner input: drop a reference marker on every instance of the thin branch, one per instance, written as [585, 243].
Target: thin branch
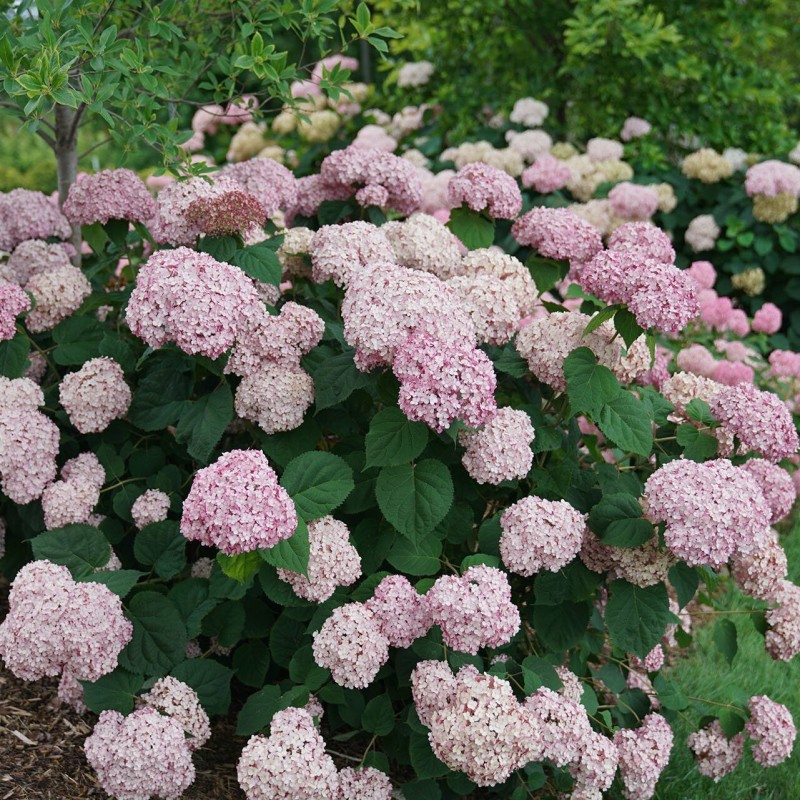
[94, 147]
[49, 140]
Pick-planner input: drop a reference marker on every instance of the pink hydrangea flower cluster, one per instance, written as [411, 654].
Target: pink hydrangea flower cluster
[712, 510]
[643, 566]
[72, 499]
[558, 233]
[648, 240]
[279, 340]
[13, 301]
[423, 242]
[237, 505]
[540, 535]
[332, 561]
[762, 573]
[337, 251]
[663, 297]
[501, 449]
[492, 261]
[29, 441]
[560, 726]
[175, 699]
[109, 194]
[601, 149]
[365, 783]
[784, 364]
[384, 179]
[492, 304]
[95, 395]
[771, 178]
[634, 128]
[276, 397]
[474, 610]
[228, 210]
[715, 754]
[402, 613]
[441, 382]
[772, 727]
[546, 174]
[56, 624]
[384, 304]
[782, 640]
[776, 485]
[351, 645]
[633, 201]
[289, 763]
[273, 185]
[25, 214]
[32, 256]
[703, 274]
[139, 756]
[643, 754]
[192, 299]
[57, 292]
[768, 319]
[729, 373]
[719, 314]
[482, 187]
[312, 192]
[760, 420]
[150, 507]
[170, 225]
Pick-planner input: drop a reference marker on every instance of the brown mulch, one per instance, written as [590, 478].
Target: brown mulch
[41, 746]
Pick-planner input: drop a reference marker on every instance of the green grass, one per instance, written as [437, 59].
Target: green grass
[703, 672]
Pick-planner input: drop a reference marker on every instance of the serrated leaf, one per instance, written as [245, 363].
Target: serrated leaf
[637, 617]
[589, 384]
[250, 663]
[473, 228]
[159, 635]
[617, 520]
[78, 340]
[423, 760]
[561, 627]
[260, 262]
[416, 556]
[545, 272]
[626, 421]
[240, 567]
[697, 446]
[599, 318]
[685, 581]
[14, 356]
[202, 422]
[119, 581]
[627, 326]
[80, 548]
[415, 498]
[113, 692]
[258, 711]
[291, 553]
[161, 546]
[335, 379]
[164, 386]
[378, 716]
[317, 482]
[726, 639]
[393, 439]
[700, 411]
[210, 679]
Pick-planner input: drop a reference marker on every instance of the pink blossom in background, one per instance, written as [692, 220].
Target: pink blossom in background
[482, 187]
[784, 364]
[149, 507]
[703, 274]
[72, 499]
[13, 301]
[273, 185]
[364, 783]
[732, 372]
[374, 136]
[236, 505]
[142, 755]
[663, 297]
[600, 149]
[782, 640]
[207, 119]
[441, 382]
[338, 250]
[768, 319]
[423, 242]
[645, 239]
[58, 292]
[312, 191]
[634, 128]
[632, 201]
[762, 573]
[546, 174]
[558, 233]
[226, 211]
[109, 194]
[33, 256]
[25, 214]
[775, 483]
[771, 178]
[696, 359]
[772, 727]
[175, 699]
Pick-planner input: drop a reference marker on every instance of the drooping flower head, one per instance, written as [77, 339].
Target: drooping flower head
[773, 728]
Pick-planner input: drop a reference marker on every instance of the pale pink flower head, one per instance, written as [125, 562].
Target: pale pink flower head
[139, 756]
[170, 223]
[634, 128]
[328, 63]
[351, 645]
[385, 303]
[609, 275]
[423, 242]
[712, 510]
[312, 192]
[784, 364]
[25, 214]
[443, 381]
[546, 174]
[433, 687]
[738, 322]
[768, 319]
[240, 111]
[771, 178]
[663, 297]
[540, 534]
[715, 754]
[702, 233]
[529, 112]
[559, 727]
[760, 420]
[57, 292]
[29, 441]
[646, 239]
[177, 700]
[364, 783]
[475, 610]
[226, 211]
[33, 256]
[150, 507]
[632, 201]
[731, 373]
[703, 274]
[332, 561]
[558, 233]
[73, 498]
[275, 397]
[775, 483]
[782, 640]
[56, 624]
[207, 118]
[772, 727]
[501, 450]
[643, 755]
[109, 194]
[272, 184]
[762, 574]
[236, 505]
[696, 359]
[95, 395]
[600, 149]
[376, 137]
[402, 613]
[13, 301]
[363, 167]
[191, 299]
[337, 251]
[480, 186]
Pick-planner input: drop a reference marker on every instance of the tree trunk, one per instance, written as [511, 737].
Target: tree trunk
[67, 164]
